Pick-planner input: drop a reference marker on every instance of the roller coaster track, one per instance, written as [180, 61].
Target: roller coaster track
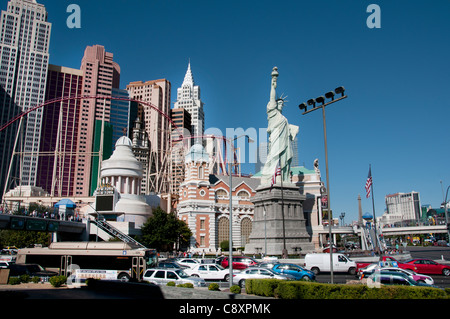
[83, 97]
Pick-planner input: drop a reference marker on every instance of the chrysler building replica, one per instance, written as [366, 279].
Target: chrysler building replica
[188, 98]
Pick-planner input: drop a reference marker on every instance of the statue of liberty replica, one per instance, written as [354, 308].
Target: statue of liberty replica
[281, 134]
[279, 225]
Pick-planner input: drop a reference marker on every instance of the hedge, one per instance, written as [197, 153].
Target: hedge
[310, 290]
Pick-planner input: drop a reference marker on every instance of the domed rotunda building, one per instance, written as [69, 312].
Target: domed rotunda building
[124, 173]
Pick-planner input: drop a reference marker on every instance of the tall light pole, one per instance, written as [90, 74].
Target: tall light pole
[303, 106]
[230, 239]
[446, 215]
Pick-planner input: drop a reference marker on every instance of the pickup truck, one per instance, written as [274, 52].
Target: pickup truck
[389, 260]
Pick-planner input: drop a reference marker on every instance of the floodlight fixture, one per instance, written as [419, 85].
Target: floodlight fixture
[303, 106]
[340, 90]
[311, 102]
[320, 99]
[330, 95]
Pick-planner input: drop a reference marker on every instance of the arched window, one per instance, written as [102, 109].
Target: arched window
[224, 229]
[246, 230]
[221, 193]
[200, 172]
[243, 195]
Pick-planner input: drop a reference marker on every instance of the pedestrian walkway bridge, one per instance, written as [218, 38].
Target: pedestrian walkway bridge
[387, 231]
[66, 229]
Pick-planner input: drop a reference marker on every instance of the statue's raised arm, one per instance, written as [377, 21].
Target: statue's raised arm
[273, 92]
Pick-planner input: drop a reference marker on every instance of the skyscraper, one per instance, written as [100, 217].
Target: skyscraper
[188, 97]
[120, 114]
[182, 120]
[24, 57]
[155, 122]
[100, 75]
[56, 169]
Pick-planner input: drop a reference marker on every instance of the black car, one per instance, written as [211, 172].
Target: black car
[33, 270]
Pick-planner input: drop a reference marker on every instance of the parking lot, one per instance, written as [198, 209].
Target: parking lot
[437, 253]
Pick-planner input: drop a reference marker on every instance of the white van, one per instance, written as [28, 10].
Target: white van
[321, 262]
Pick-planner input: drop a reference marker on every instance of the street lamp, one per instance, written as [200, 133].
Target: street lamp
[230, 240]
[446, 216]
[303, 106]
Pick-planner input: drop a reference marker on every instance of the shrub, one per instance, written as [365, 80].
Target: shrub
[225, 245]
[214, 286]
[14, 281]
[261, 287]
[171, 284]
[186, 285]
[235, 289]
[308, 290]
[58, 281]
[25, 278]
[36, 280]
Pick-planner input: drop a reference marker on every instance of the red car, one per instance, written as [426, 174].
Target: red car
[427, 266]
[240, 262]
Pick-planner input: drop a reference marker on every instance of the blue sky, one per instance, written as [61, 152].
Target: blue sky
[397, 77]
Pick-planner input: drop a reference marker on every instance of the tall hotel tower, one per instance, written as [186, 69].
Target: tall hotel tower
[100, 76]
[56, 170]
[156, 97]
[24, 57]
[188, 98]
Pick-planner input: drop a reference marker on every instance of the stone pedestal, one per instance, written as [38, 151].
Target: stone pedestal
[267, 229]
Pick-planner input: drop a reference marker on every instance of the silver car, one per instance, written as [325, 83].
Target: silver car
[258, 273]
[161, 276]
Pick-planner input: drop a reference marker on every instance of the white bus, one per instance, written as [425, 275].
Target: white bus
[99, 260]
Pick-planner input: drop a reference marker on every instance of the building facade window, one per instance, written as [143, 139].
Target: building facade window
[246, 230]
[223, 229]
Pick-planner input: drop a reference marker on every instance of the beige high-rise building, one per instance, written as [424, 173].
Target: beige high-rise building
[154, 112]
[100, 75]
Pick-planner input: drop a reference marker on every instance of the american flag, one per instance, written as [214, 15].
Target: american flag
[275, 174]
[369, 183]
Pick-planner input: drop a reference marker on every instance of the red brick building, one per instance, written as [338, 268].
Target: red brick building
[204, 204]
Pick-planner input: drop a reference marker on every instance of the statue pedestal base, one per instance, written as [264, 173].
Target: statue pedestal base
[268, 235]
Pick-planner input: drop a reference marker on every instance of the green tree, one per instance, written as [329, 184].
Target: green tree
[21, 238]
[162, 231]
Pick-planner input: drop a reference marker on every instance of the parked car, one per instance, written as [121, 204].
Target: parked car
[294, 270]
[417, 277]
[209, 272]
[395, 278]
[428, 266]
[219, 259]
[239, 262]
[171, 264]
[387, 261]
[441, 243]
[321, 262]
[33, 270]
[189, 262]
[4, 264]
[161, 276]
[257, 273]
[267, 265]
[366, 271]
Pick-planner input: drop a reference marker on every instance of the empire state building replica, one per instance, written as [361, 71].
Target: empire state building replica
[188, 98]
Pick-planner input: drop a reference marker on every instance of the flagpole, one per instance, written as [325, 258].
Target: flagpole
[284, 252]
[373, 209]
